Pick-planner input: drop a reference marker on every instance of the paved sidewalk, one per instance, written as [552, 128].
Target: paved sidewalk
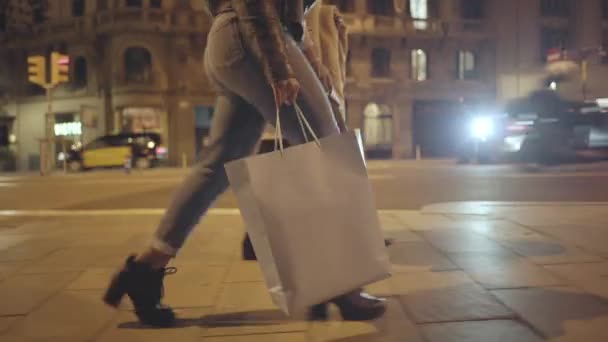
[483, 272]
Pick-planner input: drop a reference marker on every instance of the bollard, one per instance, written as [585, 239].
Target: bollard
[128, 165]
[418, 153]
[184, 161]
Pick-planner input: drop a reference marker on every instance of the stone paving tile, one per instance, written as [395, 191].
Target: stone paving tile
[284, 337]
[31, 250]
[7, 241]
[125, 328]
[592, 277]
[11, 267]
[590, 238]
[403, 235]
[393, 326]
[533, 217]
[462, 241]
[246, 309]
[417, 221]
[92, 279]
[500, 272]
[547, 251]
[195, 285]
[441, 296]
[212, 248]
[389, 222]
[498, 229]
[418, 256]
[479, 331]
[66, 259]
[19, 294]
[244, 271]
[7, 322]
[69, 316]
[560, 313]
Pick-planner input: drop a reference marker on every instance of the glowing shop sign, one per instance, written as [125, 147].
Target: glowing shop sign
[68, 128]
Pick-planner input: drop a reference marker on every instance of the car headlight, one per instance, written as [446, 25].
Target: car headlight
[482, 128]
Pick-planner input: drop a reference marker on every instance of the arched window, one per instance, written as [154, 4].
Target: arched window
[80, 74]
[138, 65]
[378, 126]
[419, 65]
[78, 8]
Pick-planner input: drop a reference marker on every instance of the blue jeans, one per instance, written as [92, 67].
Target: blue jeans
[245, 103]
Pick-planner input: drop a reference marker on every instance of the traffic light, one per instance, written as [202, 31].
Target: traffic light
[36, 70]
[60, 68]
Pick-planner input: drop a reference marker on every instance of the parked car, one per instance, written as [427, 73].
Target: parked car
[140, 150]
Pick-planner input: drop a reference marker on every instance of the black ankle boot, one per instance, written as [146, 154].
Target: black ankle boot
[144, 286]
[353, 306]
[249, 253]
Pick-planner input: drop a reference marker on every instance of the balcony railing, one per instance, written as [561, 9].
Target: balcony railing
[119, 19]
[399, 26]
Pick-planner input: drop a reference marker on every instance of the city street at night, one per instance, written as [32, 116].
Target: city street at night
[395, 171]
[479, 253]
[398, 185]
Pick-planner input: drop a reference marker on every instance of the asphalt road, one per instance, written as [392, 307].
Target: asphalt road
[398, 185]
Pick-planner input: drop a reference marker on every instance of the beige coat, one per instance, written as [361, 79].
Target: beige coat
[331, 41]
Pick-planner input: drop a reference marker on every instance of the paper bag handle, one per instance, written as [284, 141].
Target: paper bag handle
[304, 125]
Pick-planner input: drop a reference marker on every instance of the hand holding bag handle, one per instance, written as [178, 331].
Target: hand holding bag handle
[304, 125]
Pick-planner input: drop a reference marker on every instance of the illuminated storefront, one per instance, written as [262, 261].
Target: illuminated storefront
[68, 133]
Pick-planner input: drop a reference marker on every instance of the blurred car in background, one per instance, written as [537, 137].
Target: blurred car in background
[577, 134]
[140, 150]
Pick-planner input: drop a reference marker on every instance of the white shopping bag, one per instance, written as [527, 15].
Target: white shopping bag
[311, 217]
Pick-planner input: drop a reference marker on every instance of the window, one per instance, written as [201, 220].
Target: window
[378, 126]
[3, 16]
[156, 4]
[419, 10]
[381, 7]
[605, 9]
[553, 39]
[39, 9]
[381, 62]
[134, 3]
[80, 73]
[78, 8]
[102, 5]
[472, 9]
[345, 6]
[4, 135]
[419, 65]
[555, 8]
[138, 65]
[467, 65]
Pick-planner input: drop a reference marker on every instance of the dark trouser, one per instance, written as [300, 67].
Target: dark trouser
[245, 104]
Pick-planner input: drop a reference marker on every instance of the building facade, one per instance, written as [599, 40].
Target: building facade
[415, 68]
[135, 66]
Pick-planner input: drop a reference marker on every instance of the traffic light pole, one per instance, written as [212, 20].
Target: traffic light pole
[47, 165]
[37, 74]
